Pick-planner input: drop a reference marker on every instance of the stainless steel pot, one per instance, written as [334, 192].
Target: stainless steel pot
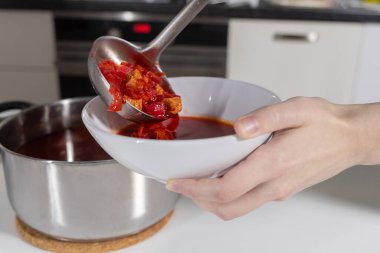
[75, 200]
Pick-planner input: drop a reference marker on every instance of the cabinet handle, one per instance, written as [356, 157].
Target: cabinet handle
[310, 37]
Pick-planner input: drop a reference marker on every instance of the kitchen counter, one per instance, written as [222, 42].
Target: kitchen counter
[339, 215]
[218, 10]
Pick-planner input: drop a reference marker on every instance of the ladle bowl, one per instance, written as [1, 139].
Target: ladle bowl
[116, 49]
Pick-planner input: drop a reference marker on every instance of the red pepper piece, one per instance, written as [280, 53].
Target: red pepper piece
[156, 109]
[172, 123]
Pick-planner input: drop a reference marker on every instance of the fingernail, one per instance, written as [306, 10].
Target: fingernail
[171, 185]
[246, 127]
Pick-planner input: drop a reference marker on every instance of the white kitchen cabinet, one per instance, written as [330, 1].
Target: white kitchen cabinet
[28, 59]
[296, 58]
[367, 89]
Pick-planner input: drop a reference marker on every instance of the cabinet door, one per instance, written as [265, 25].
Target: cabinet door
[37, 87]
[368, 81]
[296, 58]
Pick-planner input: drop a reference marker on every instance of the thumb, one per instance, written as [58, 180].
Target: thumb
[271, 118]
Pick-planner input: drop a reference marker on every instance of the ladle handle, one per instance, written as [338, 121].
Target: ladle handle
[154, 49]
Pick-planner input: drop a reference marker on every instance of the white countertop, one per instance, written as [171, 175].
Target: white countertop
[340, 215]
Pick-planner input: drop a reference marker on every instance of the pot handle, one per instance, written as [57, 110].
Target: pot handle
[5, 106]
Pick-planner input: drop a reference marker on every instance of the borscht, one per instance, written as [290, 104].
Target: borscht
[72, 145]
[179, 128]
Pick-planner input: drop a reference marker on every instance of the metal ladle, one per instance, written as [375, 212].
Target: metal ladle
[116, 49]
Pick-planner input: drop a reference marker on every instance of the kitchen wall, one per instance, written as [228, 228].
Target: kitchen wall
[28, 62]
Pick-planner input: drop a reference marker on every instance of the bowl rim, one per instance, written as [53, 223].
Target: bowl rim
[227, 138]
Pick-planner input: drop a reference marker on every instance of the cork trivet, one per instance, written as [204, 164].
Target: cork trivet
[42, 241]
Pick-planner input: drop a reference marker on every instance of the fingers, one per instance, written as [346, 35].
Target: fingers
[288, 114]
[236, 182]
[241, 206]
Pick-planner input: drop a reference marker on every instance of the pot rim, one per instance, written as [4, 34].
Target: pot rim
[45, 161]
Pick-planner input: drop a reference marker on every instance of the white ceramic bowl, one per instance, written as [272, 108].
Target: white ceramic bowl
[163, 159]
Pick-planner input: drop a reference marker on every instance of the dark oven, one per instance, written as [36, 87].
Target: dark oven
[200, 50]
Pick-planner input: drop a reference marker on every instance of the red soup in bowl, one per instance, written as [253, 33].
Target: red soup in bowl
[180, 128]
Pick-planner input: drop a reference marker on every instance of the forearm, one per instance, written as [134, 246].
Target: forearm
[366, 121]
